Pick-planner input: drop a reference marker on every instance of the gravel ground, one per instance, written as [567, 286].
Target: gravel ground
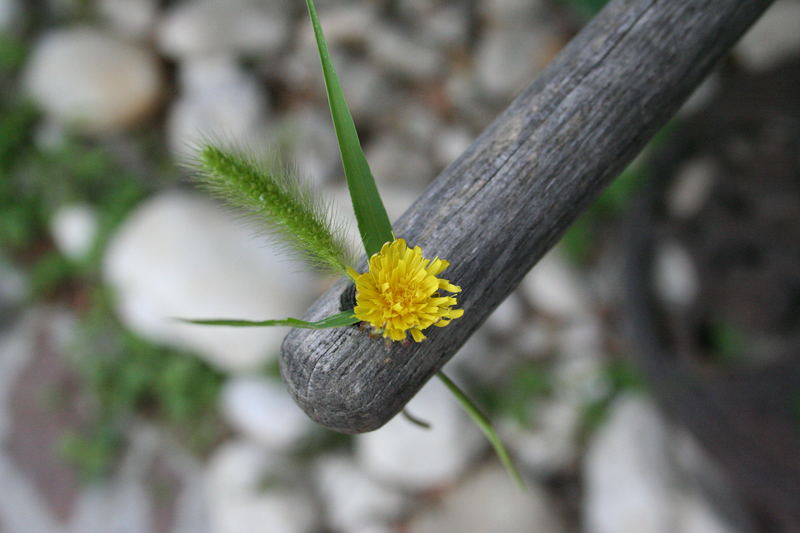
[144, 80]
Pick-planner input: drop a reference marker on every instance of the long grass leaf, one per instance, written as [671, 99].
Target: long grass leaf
[338, 320]
[486, 426]
[373, 222]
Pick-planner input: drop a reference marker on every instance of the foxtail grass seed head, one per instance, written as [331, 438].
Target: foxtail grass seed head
[279, 201]
[400, 293]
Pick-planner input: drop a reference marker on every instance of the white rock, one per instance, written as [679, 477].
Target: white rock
[697, 516]
[396, 200]
[773, 38]
[403, 454]
[450, 144]
[90, 80]
[73, 228]
[401, 54]
[507, 316]
[133, 18]
[239, 502]
[691, 188]
[9, 14]
[578, 377]
[446, 25]
[310, 138]
[210, 27]
[535, 340]
[702, 95]
[218, 101]
[417, 123]
[370, 93]
[509, 57]
[13, 287]
[490, 501]
[555, 288]
[480, 361]
[352, 500]
[179, 255]
[465, 93]
[627, 477]
[395, 160]
[641, 476]
[263, 411]
[675, 276]
[342, 25]
[550, 445]
[511, 11]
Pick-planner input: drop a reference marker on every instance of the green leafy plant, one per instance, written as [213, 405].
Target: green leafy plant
[127, 376]
[399, 295]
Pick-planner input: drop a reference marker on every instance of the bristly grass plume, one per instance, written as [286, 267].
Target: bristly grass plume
[400, 294]
[278, 200]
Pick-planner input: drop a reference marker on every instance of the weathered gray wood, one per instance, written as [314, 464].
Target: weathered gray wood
[497, 209]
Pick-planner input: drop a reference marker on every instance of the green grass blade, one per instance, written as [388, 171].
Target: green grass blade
[338, 320]
[373, 222]
[486, 426]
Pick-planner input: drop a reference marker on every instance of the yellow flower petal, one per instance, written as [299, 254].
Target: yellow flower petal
[400, 292]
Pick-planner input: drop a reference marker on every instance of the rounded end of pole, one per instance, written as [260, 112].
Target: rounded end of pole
[345, 380]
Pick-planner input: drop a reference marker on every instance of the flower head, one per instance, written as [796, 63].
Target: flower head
[399, 294]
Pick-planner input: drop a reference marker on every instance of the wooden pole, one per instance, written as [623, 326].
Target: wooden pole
[498, 208]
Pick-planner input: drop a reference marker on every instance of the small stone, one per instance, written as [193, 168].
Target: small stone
[643, 476]
[352, 500]
[403, 454]
[251, 490]
[13, 289]
[396, 160]
[773, 38]
[263, 411]
[343, 25]
[134, 19]
[396, 200]
[627, 477]
[701, 96]
[213, 27]
[464, 92]
[417, 124]
[577, 376]
[488, 500]
[509, 57]
[370, 93]
[179, 255]
[691, 188]
[10, 13]
[550, 445]
[512, 11]
[218, 101]
[92, 81]
[534, 341]
[450, 144]
[554, 287]
[675, 276]
[310, 138]
[480, 361]
[73, 228]
[508, 315]
[446, 26]
[404, 56]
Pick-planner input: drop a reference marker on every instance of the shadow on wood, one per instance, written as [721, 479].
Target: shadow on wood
[498, 208]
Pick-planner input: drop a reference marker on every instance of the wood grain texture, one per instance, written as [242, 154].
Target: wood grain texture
[499, 207]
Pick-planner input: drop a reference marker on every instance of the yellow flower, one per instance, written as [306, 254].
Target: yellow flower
[400, 292]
